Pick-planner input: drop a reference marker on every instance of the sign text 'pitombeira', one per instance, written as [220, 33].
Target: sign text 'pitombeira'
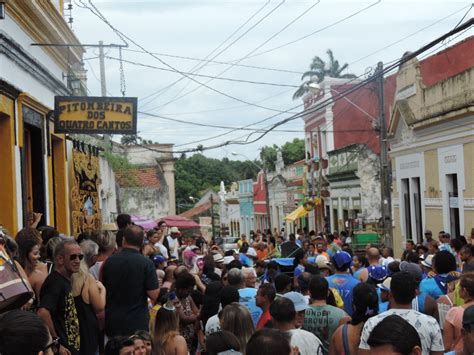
[88, 114]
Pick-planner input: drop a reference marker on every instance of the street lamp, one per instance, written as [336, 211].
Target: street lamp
[267, 198]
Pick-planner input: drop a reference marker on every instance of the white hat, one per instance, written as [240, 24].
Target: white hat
[174, 230]
[322, 262]
[428, 261]
[218, 258]
[385, 285]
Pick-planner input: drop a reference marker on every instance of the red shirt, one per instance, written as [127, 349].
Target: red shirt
[264, 318]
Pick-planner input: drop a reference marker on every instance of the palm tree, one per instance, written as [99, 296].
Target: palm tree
[319, 69]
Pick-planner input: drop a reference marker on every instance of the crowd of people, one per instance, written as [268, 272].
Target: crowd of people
[162, 292]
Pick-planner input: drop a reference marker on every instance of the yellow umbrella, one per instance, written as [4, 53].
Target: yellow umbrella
[298, 213]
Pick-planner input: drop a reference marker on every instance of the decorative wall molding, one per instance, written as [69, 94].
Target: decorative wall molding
[14, 52]
[433, 202]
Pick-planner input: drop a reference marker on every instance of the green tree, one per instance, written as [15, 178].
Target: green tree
[291, 152]
[319, 69]
[130, 139]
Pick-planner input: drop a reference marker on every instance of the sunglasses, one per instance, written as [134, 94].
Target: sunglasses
[73, 257]
[54, 346]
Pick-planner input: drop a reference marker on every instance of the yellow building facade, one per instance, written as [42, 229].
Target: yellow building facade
[432, 146]
[33, 157]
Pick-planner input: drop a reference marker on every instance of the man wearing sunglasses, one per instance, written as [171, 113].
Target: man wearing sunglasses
[57, 306]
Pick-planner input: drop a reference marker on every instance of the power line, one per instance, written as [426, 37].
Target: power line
[314, 32]
[202, 75]
[248, 54]
[331, 100]
[408, 36]
[99, 15]
[232, 43]
[215, 62]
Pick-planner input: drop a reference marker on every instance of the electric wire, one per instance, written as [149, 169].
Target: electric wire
[160, 92]
[202, 75]
[246, 56]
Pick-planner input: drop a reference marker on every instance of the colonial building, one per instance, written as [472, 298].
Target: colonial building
[246, 203]
[147, 187]
[260, 203]
[432, 144]
[333, 134]
[229, 210]
[32, 156]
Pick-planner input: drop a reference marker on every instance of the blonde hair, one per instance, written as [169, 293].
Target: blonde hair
[166, 326]
[78, 279]
[105, 240]
[236, 319]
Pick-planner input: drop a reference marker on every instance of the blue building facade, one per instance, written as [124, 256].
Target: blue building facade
[246, 206]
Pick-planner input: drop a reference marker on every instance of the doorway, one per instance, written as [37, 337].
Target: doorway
[33, 173]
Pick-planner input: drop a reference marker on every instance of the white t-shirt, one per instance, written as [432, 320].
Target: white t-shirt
[174, 246]
[163, 250]
[212, 325]
[426, 326]
[95, 269]
[307, 342]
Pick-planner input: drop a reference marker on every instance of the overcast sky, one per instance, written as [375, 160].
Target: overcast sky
[194, 28]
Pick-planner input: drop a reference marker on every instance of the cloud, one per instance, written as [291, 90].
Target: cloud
[196, 27]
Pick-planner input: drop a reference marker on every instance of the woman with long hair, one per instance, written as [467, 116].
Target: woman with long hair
[166, 337]
[365, 304]
[29, 258]
[89, 298]
[153, 236]
[236, 318]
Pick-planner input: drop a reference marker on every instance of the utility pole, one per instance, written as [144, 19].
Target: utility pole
[385, 183]
[212, 217]
[103, 87]
[267, 201]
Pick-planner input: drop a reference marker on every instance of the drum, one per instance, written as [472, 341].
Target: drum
[14, 291]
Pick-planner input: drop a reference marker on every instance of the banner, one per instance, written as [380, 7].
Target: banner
[89, 114]
[86, 216]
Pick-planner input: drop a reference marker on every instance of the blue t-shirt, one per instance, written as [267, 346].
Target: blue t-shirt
[357, 272]
[247, 298]
[344, 284]
[299, 270]
[430, 287]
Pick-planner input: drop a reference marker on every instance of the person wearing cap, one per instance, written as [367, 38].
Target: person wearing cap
[428, 238]
[453, 325]
[468, 330]
[402, 292]
[426, 265]
[265, 296]
[320, 318]
[219, 263]
[283, 313]
[342, 280]
[324, 265]
[422, 302]
[383, 294]
[172, 242]
[301, 303]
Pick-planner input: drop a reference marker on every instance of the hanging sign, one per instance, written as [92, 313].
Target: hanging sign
[88, 114]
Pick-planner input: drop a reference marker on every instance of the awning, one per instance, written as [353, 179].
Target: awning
[298, 213]
[180, 222]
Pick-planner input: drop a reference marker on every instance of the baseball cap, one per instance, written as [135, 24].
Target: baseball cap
[428, 232]
[342, 259]
[174, 230]
[413, 269]
[468, 318]
[158, 259]
[385, 285]
[377, 272]
[428, 261]
[299, 301]
[323, 262]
